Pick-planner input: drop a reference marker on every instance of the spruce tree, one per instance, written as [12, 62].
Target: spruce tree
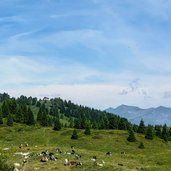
[170, 132]
[5, 109]
[57, 124]
[74, 135]
[122, 124]
[141, 128]
[19, 115]
[87, 130]
[149, 133]
[135, 128]
[30, 117]
[1, 119]
[141, 146]
[77, 123]
[164, 134]
[44, 120]
[10, 120]
[158, 130]
[131, 137]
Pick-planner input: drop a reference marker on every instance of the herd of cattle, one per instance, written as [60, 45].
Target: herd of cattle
[46, 156]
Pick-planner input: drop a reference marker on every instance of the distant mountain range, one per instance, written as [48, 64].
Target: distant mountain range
[154, 116]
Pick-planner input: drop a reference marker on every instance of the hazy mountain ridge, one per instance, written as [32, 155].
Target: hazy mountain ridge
[159, 115]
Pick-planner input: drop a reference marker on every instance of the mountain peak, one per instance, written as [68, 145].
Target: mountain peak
[134, 114]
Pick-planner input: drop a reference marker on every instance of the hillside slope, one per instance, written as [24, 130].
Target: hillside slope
[155, 156]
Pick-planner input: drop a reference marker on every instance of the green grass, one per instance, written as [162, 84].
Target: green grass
[155, 156]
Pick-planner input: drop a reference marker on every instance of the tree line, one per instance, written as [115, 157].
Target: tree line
[50, 112]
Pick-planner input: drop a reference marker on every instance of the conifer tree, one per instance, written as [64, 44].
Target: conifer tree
[122, 124]
[77, 124]
[13, 106]
[158, 130]
[30, 117]
[5, 109]
[24, 112]
[71, 123]
[135, 128]
[149, 133]
[50, 121]
[19, 115]
[87, 130]
[57, 124]
[10, 120]
[170, 132]
[1, 118]
[131, 137]
[44, 120]
[164, 134]
[141, 128]
[74, 135]
[141, 146]
[102, 124]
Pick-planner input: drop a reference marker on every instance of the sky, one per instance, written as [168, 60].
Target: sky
[98, 53]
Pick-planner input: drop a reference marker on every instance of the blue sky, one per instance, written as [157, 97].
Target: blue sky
[98, 53]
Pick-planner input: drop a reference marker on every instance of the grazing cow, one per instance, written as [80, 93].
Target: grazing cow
[72, 147]
[109, 153]
[78, 164]
[69, 153]
[46, 152]
[26, 145]
[20, 146]
[71, 163]
[52, 157]
[66, 162]
[44, 159]
[100, 164]
[73, 152]
[58, 150]
[77, 156]
[94, 158]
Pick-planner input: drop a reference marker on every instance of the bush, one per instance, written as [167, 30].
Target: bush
[74, 135]
[141, 146]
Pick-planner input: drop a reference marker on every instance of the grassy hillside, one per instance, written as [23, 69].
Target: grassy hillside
[155, 156]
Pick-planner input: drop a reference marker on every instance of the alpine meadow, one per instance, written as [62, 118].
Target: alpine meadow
[85, 85]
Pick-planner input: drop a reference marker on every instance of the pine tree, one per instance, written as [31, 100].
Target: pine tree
[71, 123]
[158, 130]
[170, 132]
[141, 128]
[149, 133]
[19, 115]
[122, 124]
[131, 137]
[1, 119]
[87, 130]
[57, 124]
[5, 109]
[44, 120]
[74, 135]
[164, 134]
[135, 128]
[141, 146]
[24, 112]
[77, 124]
[30, 117]
[10, 120]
